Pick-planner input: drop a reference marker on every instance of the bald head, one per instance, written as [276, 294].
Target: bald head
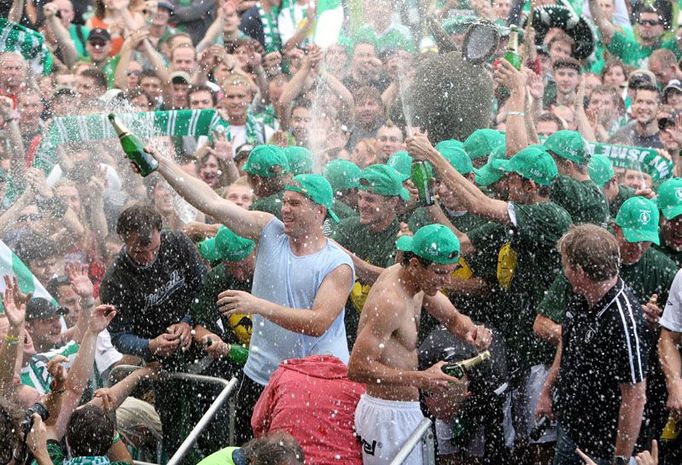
[13, 70]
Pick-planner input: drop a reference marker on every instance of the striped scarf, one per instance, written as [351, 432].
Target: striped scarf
[29, 43]
[273, 41]
[176, 123]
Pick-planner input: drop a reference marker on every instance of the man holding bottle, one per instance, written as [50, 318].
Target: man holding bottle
[385, 353]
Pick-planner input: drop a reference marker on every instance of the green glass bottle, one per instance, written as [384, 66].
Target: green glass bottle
[461, 368]
[512, 54]
[134, 148]
[237, 353]
[423, 180]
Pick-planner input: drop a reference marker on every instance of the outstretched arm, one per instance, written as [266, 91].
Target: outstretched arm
[243, 222]
[459, 325]
[605, 27]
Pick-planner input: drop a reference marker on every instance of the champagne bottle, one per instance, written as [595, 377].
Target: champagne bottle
[423, 181]
[134, 148]
[539, 428]
[512, 53]
[236, 352]
[461, 368]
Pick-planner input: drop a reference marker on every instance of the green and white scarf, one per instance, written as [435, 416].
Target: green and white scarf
[29, 43]
[273, 42]
[641, 159]
[252, 134]
[88, 460]
[177, 123]
[35, 374]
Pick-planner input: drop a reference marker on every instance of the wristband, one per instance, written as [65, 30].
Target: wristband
[516, 113]
[11, 340]
[117, 438]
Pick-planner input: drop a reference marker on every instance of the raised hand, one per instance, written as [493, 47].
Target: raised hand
[14, 310]
[230, 302]
[80, 282]
[101, 317]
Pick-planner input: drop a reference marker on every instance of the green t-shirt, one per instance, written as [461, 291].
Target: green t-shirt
[58, 456]
[631, 52]
[342, 210]
[463, 221]
[624, 193]
[270, 204]
[534, 238]
[583, 200]
[205, 312]
[652, 274]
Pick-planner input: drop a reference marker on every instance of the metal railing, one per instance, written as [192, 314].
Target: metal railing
[422, 432]
[228, 387]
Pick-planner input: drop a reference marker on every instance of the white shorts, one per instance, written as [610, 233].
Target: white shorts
[384, 426]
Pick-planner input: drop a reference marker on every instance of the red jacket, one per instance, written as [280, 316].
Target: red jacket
[313, 400]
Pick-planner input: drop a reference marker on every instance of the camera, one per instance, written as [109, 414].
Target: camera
[27, 422]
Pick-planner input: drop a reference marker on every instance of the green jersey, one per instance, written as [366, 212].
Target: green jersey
[270, 204]
[583, 200]
[205, 312]
[652, 274]
[674, 255]
[633, 53]
[533, 238]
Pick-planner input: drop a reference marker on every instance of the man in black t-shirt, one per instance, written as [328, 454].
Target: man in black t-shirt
[152, 283]
[599, 370]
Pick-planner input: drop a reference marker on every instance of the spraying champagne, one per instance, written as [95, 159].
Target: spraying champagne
[134, 148]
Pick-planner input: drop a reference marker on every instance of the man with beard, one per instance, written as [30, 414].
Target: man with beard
[643, 130]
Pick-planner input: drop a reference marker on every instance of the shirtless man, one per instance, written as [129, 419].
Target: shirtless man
[385, 353]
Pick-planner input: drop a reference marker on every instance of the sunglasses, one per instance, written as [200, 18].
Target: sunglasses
[98, 43]
[134, 73]
[648, 22]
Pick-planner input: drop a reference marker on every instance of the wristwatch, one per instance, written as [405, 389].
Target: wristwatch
[621, 460]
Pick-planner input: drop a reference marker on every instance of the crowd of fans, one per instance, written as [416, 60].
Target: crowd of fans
[253, 108]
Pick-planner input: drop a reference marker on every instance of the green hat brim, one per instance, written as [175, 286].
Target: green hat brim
[404, 244]
[208, 250]
[404, 194]
[487, 176]
[635, 235]
[300, 190]
[672, 211]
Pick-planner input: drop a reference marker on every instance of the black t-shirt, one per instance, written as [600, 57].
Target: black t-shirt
[149, 299]
[603, 347]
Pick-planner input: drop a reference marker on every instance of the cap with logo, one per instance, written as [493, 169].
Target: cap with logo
[226, 246]
[569, 145]
[532, 163]
[402, 162]
[384, 180]
[263, 160]
[482, 142]
[670, 198]
[342, 175]
[434, 242]
[300, 159]
[601, 170]
[493, 170]
[39, 308]
[638, 219]
[317, 189]
[99, 33]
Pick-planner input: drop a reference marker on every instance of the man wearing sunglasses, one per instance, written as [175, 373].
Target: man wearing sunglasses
[633, 51]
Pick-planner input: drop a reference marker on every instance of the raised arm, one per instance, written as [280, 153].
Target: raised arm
[16, 11]
[605, 27]
[199, 194]
[328, 304]
[64, 41]
[515, 81]
[126, 53]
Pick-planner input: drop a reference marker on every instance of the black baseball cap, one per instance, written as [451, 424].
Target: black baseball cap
[39, 308]
[99, 33]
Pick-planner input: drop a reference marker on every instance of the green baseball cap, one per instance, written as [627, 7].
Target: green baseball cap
[342, 175]
[300, 159]
[402, 162]
[492, 171]
[384, 180]
[459, 160]
[434, 242]
[317, 189]
[601, 170]
[482, 142]
[448, 144]
[226, 246]
[533, 163]
[670, 198]
[569, 145]
[263, 158]
[638, 219]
